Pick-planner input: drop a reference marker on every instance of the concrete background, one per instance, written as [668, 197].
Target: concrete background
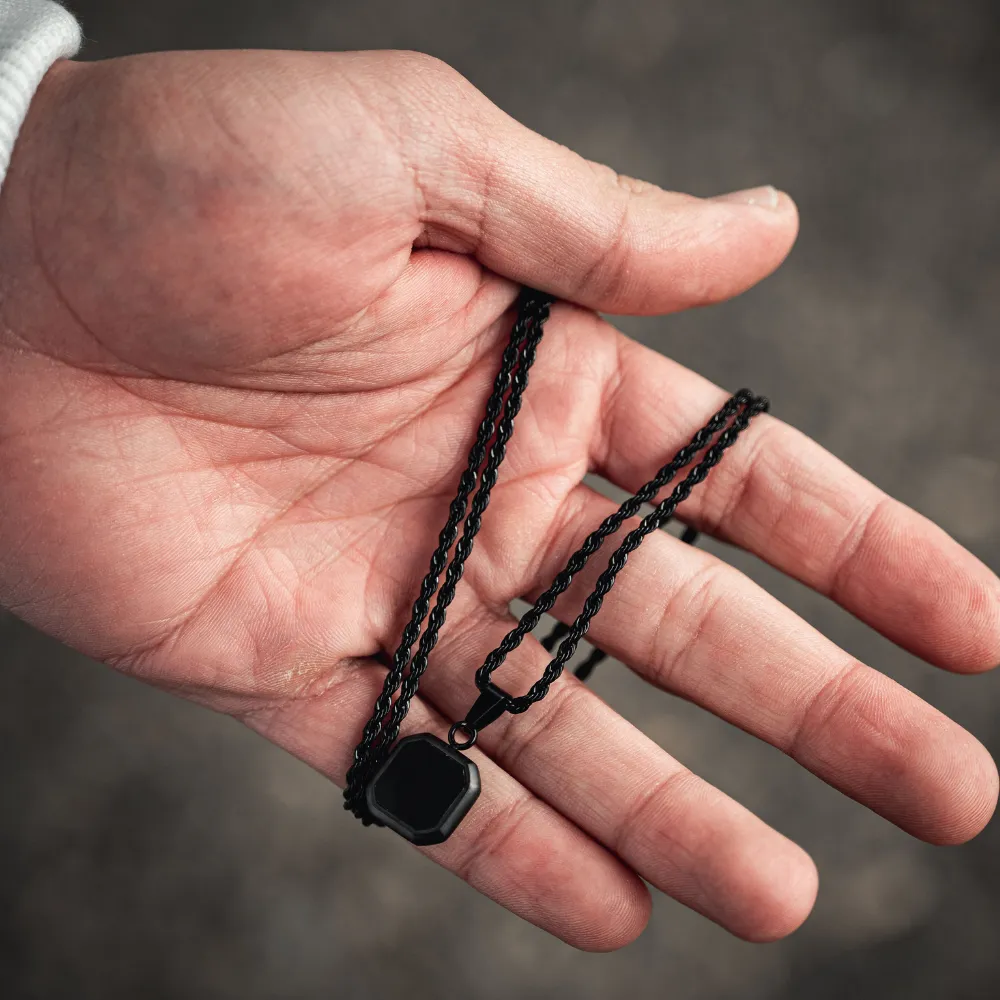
[151, 849]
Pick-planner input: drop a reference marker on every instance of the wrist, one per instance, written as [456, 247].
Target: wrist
[34, 34]
[38, 159]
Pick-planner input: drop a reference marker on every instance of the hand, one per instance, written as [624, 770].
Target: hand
[252, 304]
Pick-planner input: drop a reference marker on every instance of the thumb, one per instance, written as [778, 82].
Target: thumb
[538, 213]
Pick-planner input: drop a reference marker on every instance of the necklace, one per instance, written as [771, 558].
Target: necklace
[422, 787]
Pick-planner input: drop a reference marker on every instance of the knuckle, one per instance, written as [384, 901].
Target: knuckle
[853, 545]
[824, 705]
[438, 83]
[633, 185]
[518, 738]
[743, 469]
[608, 276]
[424, 62]
[688, 611]
[492, 837]
[633, 822]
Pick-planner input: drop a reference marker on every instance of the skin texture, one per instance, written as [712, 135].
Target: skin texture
[251, 305]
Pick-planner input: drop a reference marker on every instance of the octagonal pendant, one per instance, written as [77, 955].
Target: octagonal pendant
[423, 789]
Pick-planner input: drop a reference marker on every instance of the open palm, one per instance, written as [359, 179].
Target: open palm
[252, 307]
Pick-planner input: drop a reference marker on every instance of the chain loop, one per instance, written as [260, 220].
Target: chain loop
[741, 407]
[486, 455]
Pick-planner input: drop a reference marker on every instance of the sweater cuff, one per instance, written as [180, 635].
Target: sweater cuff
[33, 35]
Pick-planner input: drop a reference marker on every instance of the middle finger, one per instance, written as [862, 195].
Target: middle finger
[694, 625]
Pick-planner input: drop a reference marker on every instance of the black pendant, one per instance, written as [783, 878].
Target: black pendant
[423, 789]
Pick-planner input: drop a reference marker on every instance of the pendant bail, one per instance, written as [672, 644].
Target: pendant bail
[488, 707]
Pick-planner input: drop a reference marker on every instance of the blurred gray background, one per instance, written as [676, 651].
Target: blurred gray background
[151, 849]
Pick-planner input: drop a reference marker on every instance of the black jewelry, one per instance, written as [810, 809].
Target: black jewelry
[423, 786]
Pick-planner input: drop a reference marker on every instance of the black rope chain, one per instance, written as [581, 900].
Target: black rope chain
[485, 456]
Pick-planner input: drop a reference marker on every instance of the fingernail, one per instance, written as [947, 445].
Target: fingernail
[765, 197]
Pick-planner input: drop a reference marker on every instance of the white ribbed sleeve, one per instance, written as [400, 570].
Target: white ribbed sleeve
[33, 35]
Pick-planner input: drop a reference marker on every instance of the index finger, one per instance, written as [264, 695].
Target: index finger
[783, 497]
